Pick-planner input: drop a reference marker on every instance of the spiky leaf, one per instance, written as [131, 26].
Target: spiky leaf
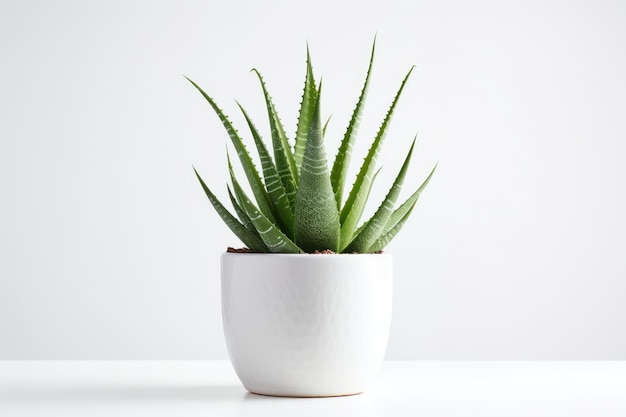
[376, 225]
[248, 238]
[353, 208]
[273, 238]
[245, 220]
[275, 188]
[326, 126]
[360, 228]
[399, 217]
[307, 107]
[246, 161]
[285, 163]
[408, 204]
[391, 233]
[342, 159]
[316, 214]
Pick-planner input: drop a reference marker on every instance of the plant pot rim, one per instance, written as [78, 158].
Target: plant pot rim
[295, 255]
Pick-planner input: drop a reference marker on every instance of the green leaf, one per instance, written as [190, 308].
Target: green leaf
[342, 159]
[407, 206]
[360, 228]
[249, 169]
[384, 240]
[285, 163]
[278, 196]
[353, 208]
[307, 107]
[248, 238]
[326, 125]
[241, 214]
[273, 238]
[316, 214]
[376, 225]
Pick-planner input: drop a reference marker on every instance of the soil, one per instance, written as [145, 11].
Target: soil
[239, 250]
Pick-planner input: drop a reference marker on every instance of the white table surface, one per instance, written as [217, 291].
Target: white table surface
[403, 388]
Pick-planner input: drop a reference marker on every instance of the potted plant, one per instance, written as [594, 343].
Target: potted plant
[307, 305]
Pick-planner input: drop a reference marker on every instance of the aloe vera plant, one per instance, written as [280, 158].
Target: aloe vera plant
[297, 205]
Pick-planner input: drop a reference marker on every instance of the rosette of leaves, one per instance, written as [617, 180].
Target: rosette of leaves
[297, 204]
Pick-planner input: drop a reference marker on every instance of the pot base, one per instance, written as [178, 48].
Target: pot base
[281, 395]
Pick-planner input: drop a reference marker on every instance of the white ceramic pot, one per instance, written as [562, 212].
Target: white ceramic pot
[306, 325]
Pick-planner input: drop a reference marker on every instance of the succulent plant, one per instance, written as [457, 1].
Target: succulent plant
[298, 205]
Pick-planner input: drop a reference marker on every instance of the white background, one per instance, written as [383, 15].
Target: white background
[109, 249]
